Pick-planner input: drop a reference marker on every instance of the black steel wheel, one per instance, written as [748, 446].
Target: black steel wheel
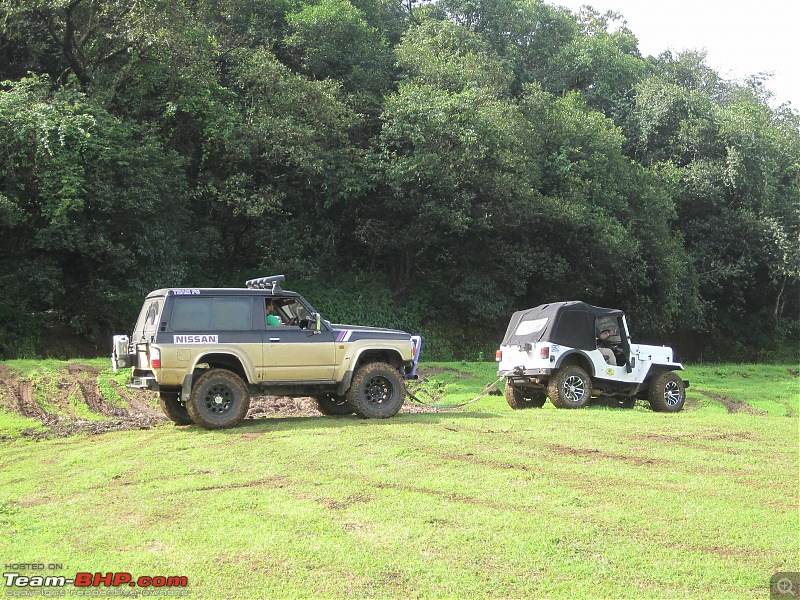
[173, 408]
[219, 399]
[667, 392]
[333, 405]
[377, 391]
[570, 387]
[519, 398]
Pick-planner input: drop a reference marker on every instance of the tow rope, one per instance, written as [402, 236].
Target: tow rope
[488, 389]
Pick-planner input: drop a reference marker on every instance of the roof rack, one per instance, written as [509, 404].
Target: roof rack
[266, 283]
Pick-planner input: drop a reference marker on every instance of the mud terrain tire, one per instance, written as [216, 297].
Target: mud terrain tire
[570, 387]
[666, 393]
[219, 399]
[175, 411]
[333, 405]
[519, 398]
[377, 392]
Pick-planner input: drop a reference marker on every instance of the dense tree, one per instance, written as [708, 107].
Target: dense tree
[417, 164]
[90, 209]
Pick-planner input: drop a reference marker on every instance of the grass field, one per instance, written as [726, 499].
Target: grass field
[478, 502]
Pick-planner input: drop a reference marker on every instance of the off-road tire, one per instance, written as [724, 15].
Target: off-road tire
[666, 392]
[519, 398]
[333, 405]
[219, 399]
[570, 387]
[171, 406]
[376, 392]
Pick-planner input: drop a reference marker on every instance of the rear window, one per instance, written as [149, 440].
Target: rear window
[228, 313]
[529, 327]
[148, 318]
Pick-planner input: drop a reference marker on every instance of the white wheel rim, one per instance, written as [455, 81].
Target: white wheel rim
[672, 393]
[574, 388]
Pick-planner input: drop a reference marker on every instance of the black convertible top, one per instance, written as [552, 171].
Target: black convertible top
[567, 323]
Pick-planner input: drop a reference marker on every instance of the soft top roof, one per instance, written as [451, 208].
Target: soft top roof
[568, 323]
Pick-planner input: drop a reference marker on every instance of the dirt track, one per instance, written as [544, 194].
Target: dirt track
[72, 402]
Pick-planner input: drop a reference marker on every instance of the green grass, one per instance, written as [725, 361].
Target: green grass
[12, 424]
[480, 502]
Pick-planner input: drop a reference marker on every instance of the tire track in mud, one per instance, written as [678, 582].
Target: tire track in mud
[74, 381]
[732, 405]
[68, 391]
[91, 392]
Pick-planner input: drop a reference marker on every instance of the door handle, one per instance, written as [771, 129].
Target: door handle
[274, 339]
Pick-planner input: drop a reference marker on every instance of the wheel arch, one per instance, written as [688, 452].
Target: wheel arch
[222, 360]
[365, 356]
[369, 355]
[577, 358]
[656, 370]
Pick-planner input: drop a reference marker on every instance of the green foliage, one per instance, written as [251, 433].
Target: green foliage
[77, 184]
[463, 159]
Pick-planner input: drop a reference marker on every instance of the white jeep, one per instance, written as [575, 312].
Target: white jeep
[572, 352]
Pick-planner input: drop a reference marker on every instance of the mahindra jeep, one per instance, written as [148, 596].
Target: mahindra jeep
[572, 352]
[206, 351]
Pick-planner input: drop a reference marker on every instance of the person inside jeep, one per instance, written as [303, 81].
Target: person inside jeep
[604, 345]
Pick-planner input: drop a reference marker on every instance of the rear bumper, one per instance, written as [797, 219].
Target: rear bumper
[524, 373]
[143, 382]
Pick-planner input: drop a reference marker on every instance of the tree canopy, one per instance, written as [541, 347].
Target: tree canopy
[426, 165]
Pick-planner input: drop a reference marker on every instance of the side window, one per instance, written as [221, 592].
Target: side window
[287, 311]
[225, 313]
[231, 314]
[575, 329]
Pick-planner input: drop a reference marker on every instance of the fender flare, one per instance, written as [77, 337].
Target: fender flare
[580, 353]
[249, 371]
[347, 378]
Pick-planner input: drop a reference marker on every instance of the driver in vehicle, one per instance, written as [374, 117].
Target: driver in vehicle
[282, 312]
[604, 346]
[272, 318]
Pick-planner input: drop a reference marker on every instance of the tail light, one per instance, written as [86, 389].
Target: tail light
[155, 358]
[498, 356]
[544, 352]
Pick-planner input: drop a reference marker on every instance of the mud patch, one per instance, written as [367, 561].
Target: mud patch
[78, 381]
[598, 454]
[732, 404]
[91, 392]
[793, 372]
[433, 371]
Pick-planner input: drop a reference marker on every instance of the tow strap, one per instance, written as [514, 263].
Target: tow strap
[488, 389]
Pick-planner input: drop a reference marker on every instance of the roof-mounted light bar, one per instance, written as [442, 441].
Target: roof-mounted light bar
[266, 283]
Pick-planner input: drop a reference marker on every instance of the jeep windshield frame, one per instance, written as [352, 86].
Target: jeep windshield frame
[569, 324]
